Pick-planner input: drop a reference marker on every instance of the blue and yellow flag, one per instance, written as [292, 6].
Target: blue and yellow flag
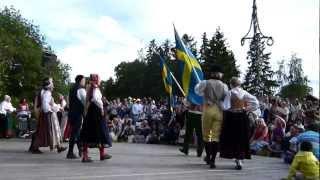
[190, 69]
[167, 81]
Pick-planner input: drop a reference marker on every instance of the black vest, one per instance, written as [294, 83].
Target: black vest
[76, 108]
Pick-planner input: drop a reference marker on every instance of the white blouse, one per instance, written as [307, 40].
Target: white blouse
[81, 95]
[5, 107]
[97, 98]
[252, 101]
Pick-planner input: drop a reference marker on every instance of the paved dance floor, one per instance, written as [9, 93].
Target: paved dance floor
[129, 162]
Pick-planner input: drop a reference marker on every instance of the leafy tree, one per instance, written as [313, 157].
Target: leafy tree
[259, 78]
[22, 57]
[297, 86]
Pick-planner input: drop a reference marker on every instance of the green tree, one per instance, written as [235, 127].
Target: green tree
[216, 52]
[297, 86]
[259, 78]
[20, 54]
[23, 62]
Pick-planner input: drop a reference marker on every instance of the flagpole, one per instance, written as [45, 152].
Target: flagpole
[185, 49]
[175, 80]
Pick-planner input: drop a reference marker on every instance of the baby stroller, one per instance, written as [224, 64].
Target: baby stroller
[23, 124]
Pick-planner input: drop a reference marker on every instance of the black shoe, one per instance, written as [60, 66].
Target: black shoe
[106, 156]
[212, 165]
[61, 149]
[87, 160]
[238, 167]
[71, 156]
[184, 151]
[206, 159]
[36, 151]
[80, 153]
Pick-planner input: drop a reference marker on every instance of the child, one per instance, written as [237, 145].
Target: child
[305, 162]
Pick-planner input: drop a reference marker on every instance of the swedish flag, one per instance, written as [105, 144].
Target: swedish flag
[190, 69]
[167, 81]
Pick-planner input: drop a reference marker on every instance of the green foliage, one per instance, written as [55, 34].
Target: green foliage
[259, 78]
[297, 83]
[22, 62]
[216, 52]
[293, 91]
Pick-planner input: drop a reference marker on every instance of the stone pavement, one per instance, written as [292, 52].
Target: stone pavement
[129, 162]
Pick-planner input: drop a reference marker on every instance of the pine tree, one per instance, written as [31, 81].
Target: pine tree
[216, 52]
[204, 49]
[259, 78]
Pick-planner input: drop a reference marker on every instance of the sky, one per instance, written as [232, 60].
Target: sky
[94, 36]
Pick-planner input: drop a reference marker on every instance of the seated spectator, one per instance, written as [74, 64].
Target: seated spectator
[278, 134]
[311, 135]
[152, 138]
[259, 138]
[288, 154]
[145, 129]
[305, 162]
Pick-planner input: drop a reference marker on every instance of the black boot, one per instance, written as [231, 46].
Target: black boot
[207, 149]
[214, 150]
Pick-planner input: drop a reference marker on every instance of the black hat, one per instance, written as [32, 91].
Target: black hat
[216, 69]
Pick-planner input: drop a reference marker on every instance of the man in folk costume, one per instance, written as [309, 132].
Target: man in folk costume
[193, 122]
[213, 92]
[234, 139]
[77, 100]
[48, 129]
[94, 132]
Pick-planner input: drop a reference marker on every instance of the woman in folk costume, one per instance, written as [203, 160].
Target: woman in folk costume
[48, 129]
[94, 132]
[234, 139]
[6, 109]
[213, 92]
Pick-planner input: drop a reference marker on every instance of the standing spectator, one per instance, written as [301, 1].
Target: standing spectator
[6, 109]
[137, 110]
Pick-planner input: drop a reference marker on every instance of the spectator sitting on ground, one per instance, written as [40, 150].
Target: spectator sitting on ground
[278, 134]
[288, 154]
[311, 135]
[260, 136]
[305, 162]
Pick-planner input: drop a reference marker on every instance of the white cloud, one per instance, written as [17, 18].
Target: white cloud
[94, 36]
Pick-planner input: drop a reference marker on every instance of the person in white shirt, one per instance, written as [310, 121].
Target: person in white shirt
[137, 110]
[77, 103]
[94, 132]
[234, 139]
[48, 130]
[6, 109]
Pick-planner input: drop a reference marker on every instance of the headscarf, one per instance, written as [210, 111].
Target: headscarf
[94, 80]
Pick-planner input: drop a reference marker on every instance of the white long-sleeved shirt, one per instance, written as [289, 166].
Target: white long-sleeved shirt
[137, 109]
[252, 101]
[97, 98]
[46, 100]
[5, 107]
[82, 95]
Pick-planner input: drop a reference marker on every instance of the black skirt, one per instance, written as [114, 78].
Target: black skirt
[234, 138]
[94, 130]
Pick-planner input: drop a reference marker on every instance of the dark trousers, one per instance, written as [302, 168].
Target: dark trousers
[193, 122]
[75, 133]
